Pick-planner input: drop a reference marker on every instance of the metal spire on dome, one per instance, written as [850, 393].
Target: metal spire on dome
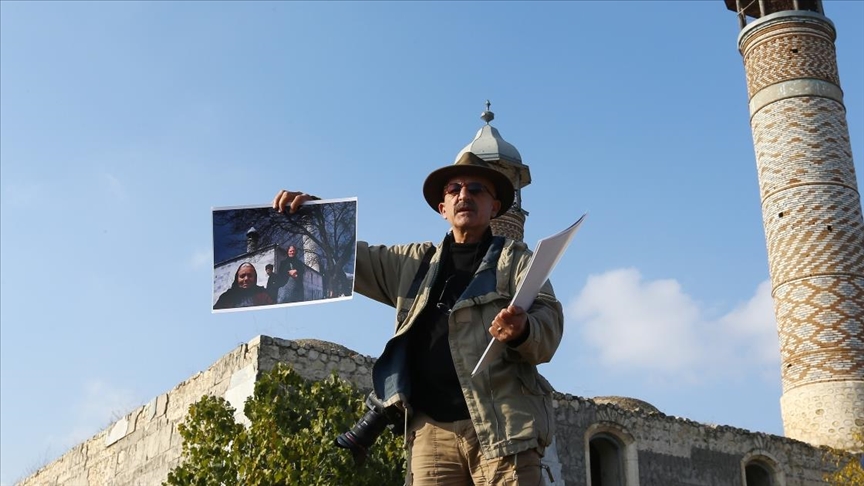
[487, 115]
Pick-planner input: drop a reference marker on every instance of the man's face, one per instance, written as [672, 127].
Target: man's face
[246, 277]
[269, 270]
[469, 203]
[292, 251]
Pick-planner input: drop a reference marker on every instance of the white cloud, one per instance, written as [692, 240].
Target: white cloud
[754, 324]
[656, 327]
[200, 258]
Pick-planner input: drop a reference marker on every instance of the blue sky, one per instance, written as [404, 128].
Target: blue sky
[122, 124]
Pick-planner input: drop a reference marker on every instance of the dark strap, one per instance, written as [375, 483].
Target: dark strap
[421, 272]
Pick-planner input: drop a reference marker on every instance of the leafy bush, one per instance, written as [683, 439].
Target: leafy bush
[849, 474]
[290, 441]
[849, 465]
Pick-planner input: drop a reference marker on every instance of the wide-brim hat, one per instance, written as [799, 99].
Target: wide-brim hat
[469, 165]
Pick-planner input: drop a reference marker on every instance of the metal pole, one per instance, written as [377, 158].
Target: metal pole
[742, 19]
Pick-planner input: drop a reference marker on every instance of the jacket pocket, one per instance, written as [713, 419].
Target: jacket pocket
[538, 393]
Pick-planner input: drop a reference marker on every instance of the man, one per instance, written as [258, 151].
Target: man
[272, 281]
[490, 429]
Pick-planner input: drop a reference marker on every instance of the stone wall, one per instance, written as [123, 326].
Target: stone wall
[669, 451]
[140, 448]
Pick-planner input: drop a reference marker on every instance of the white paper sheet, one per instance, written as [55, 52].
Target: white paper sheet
[546, 255]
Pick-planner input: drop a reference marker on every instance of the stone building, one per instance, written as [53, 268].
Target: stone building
[600, 442]
[260, 257]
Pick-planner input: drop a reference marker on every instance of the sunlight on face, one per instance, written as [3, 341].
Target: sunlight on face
[467, 211]
[246, 277]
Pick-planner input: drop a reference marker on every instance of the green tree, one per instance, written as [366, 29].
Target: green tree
[290, 441]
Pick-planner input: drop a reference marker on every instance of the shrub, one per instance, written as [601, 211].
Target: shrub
[290, 441]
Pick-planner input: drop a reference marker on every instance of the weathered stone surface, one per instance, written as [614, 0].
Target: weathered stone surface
[117, 431]
[656, 449]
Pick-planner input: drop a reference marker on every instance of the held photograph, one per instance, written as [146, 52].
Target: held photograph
[266, 259]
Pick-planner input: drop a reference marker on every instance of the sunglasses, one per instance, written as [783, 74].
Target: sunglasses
[474, 188]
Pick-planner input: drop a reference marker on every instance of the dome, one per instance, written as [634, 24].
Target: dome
[488, 144]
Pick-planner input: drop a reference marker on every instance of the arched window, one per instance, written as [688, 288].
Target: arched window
[606, 460]
[759, 472]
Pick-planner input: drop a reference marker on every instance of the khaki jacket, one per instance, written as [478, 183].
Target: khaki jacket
[510, 402]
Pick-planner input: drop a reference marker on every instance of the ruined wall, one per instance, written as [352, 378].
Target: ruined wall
[140, 448]
[143, 446]
[669, 451]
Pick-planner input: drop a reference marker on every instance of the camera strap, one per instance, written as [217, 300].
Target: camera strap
[421, 272]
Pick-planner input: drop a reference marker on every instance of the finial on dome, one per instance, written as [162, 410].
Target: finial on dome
[487, 115]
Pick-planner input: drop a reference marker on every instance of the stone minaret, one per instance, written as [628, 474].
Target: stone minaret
[251, 240]
[811, 211]
[489, 146]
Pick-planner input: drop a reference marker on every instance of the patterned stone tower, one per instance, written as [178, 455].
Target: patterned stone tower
[489, 146]
[811, 211]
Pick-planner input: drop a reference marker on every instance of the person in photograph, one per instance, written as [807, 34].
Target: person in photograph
[291, 271]
[450, 300]
[272, 281]
[245, 291]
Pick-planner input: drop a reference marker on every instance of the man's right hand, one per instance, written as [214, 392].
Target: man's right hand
[291, 200]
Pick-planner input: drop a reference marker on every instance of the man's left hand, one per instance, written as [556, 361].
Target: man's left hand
[510, 323]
